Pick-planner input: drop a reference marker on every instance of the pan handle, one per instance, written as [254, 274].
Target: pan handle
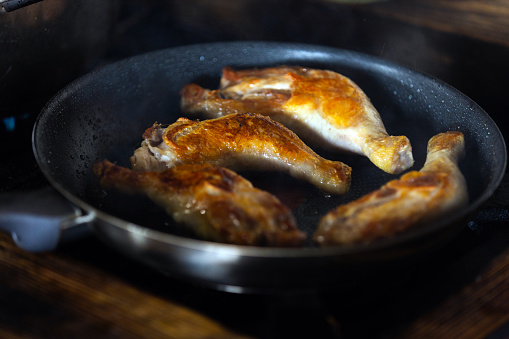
[39, 220]
[12, 5]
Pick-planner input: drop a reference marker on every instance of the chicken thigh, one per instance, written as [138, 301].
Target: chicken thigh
[321, 106]
[239, 142]
[215, 203]
[418, 197]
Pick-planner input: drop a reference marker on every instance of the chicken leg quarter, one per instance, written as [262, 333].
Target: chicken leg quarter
[320, 106]
[417, 198]
[213, 202]
[239, 142]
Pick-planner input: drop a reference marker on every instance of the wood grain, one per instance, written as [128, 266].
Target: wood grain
[97, 300]
[484, 303]
[486, 20]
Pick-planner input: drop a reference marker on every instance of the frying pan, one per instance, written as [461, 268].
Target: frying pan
[103, 114]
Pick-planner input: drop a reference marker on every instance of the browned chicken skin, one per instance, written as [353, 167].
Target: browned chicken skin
[416, 198]
[321, 106]
[214, 202]
[239, 141]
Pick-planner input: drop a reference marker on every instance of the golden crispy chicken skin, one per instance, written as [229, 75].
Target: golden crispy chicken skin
[418, 197]
[215, 203]
[239, 141]
[321, 106]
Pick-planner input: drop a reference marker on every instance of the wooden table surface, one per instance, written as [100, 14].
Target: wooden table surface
[85, 289]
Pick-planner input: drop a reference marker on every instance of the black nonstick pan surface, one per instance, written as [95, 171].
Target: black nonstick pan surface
[103, 115]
